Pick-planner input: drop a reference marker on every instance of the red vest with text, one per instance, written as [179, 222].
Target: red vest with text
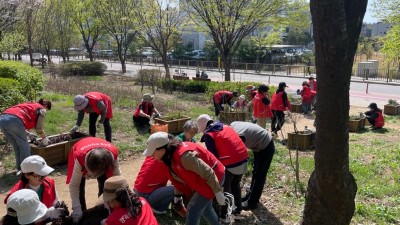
[380, 121]
[49, 191]
[192, 179]
[277, 102]
[152, 175]
[218, 97]
[27, 112]
[148, 108]
[94, 97]
[260, 110]
[81, 148]
[120, 216]
[231, 149]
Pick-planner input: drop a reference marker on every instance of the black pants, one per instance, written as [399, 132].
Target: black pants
[100, 182]
[371, 121]
[141, 121]
[232, 185]
[218, 108]
[92, 126]
[262, 162]
[278, 120]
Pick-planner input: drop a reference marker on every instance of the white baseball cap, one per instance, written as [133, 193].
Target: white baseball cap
[202, 121]
[35, 164]
[155, 141]
[80, 102]
[27, 205]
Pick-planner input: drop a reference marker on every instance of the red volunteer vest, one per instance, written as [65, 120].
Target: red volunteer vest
[260, 110]
[193, 180]
[380, 121]
[277, 102]
[230, 147]
[49, 191]
[120, 216]
[218, 96]
[81, 148]
[241, 105]
[148, 108]
[94, 97]
[152, 175]
[27, 112]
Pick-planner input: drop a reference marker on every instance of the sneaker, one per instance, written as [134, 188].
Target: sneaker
[226, 220]
[274, 135]
[247, 206]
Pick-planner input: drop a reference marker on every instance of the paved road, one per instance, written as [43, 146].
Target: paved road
[377, 92]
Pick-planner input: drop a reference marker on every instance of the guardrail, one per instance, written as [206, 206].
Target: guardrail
[378, 75]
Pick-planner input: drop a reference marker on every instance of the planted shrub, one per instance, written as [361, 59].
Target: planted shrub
[30, 79]
[188, 86]
[10, 93]
[240, 87]
[82, 68]
[148, 77]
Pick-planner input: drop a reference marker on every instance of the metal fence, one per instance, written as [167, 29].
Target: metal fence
[384, 75]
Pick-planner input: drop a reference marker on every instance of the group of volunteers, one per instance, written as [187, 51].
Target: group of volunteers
[176, 171]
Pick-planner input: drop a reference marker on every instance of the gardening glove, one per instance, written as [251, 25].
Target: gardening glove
[103, 222]
[362, 115]
[32, 137]
[76, 214]
[179, 207]
[55, 213]
[74, 129]
[45, 141]
[220, 198]
[288, 113]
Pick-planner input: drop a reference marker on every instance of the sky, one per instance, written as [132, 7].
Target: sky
[369, 18]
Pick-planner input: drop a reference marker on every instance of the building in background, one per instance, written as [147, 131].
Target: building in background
[378, 29]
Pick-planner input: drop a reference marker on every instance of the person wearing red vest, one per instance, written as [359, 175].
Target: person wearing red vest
[34, 172]
[226, 145]
[307, 96]
[240, 105]
[94, 103]
[16, 120]
[375, 116]
[221, 99]
[193, 165]
[280, 103]
[90, 157]
[126, 207]
[151, 184]
[144, 112]
[261, 106]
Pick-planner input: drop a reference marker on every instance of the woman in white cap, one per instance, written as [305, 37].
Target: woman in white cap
[144, 111]
[34, 176]
[25, 207]
[96, 104]
[16, 120]
[126, 207]
[241, 104]
[192, 165]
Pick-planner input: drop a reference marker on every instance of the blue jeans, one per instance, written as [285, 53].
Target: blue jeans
[14, 130]
[160, 198]
[200, 206]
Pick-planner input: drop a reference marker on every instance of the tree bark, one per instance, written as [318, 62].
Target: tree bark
[332, 188]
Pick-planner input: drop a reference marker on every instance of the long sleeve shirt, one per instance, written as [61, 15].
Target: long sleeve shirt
[100, 105]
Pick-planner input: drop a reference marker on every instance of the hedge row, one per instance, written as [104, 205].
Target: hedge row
[82, 68]
[10, 93]
[30, 80]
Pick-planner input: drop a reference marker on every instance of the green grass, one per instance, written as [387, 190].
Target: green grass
[374, 156]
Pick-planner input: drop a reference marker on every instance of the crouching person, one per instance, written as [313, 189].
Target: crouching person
[375, 116]
[193, 165]
[125, 206]
[34, 172]
[24, 207]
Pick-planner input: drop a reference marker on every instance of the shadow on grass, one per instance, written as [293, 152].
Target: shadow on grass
[368, 130]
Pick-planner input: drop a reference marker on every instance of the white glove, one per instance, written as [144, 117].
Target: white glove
[54, 213]
[74, 129]
[288, 113]
[220, 198]
[32, 136]
[99, 125]
[222, 105]
[76, 214]
[103, 222]
[45, 141]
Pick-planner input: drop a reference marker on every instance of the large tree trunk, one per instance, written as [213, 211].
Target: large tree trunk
[227, 67]
[332, 188]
